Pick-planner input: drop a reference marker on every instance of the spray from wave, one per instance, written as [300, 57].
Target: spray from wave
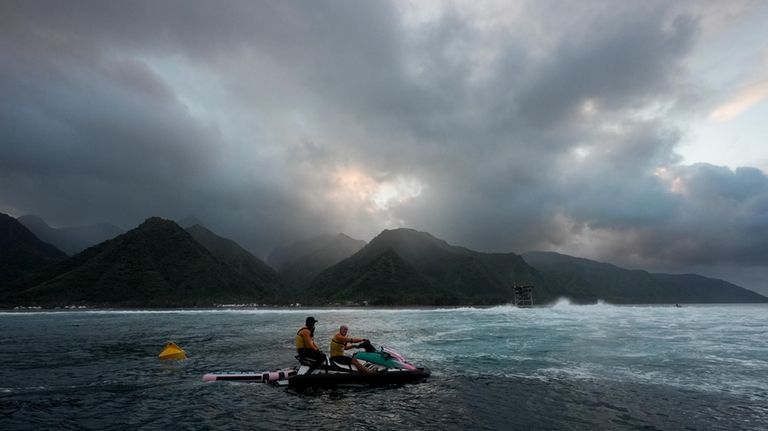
[565, 302]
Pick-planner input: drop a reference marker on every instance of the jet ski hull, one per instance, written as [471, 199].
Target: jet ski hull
[250, 376]
[385, 367]
[382, 378]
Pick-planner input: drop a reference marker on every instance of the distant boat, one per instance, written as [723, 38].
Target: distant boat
[678, 306]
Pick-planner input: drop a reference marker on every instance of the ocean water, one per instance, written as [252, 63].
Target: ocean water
[565, 367]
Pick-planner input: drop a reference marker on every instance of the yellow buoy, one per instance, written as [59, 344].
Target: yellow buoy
[172, 351]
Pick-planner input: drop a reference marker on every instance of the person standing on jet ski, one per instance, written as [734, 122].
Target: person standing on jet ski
[306, 347]
[339, 343]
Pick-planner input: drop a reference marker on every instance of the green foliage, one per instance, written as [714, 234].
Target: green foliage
[407, 267]
[229, 252]
[21, 251]
[584, 280]
[157, 264]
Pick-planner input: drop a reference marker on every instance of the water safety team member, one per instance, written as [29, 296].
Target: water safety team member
[339, 343]
[306, 347]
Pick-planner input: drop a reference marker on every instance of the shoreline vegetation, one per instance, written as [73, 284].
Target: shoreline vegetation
[161, 264]
[268, 307]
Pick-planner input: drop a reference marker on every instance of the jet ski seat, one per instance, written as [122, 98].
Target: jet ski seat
[306, 360]
[331, 364]
[340, 366]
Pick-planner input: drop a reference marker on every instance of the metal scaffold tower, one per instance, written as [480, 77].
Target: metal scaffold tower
[523, 296]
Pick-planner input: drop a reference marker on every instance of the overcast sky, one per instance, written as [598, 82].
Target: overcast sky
[627, 132]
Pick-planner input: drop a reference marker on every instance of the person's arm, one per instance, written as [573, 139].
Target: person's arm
[348, 340]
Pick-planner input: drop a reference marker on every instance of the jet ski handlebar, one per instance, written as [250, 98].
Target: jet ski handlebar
[366, 344]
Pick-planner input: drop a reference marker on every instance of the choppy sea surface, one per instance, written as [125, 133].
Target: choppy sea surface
[564, 367]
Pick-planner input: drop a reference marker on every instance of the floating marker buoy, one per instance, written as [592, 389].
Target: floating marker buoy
[172, 351]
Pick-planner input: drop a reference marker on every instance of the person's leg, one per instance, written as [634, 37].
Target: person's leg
[318, 360]
[341, 361]
[359, 366]
[311, 358]
[349, 362]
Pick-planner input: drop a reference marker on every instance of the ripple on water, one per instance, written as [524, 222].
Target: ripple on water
[567, 367]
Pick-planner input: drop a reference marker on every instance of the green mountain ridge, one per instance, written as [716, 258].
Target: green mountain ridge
[385, 280]
[588, 281]
[231, 253]
[157, 264]
[21, 251]
[445, 274]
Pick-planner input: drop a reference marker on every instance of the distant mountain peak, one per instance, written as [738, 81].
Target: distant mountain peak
[155, 264]
[189, 221]
[300, 261]
[32, 220]
[157, 222]
[322, 244]
[71, 240]
[400, 260]
[406, 231]
[197, 228]
[410, 244]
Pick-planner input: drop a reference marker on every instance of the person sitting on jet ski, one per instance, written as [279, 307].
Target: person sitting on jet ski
[306, 347]
[339, 343]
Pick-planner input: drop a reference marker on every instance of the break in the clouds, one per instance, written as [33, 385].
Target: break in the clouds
[501, 126]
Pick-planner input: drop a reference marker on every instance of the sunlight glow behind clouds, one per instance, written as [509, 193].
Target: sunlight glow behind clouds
[747, 98]
[675, 183]
[396, 192]
[351, 187]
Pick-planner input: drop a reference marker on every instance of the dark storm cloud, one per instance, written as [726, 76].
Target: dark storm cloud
[627, 63]
[516, 168]
[536, 134]
[90, 131]
[724, 214]
[116, 129]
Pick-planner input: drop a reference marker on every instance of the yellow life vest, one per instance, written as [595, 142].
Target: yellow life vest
[299, 340]
[337, 345]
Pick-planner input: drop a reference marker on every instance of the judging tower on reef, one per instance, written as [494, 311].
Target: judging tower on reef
[523, 296]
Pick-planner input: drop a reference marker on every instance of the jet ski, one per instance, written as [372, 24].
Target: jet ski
[385, 367]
